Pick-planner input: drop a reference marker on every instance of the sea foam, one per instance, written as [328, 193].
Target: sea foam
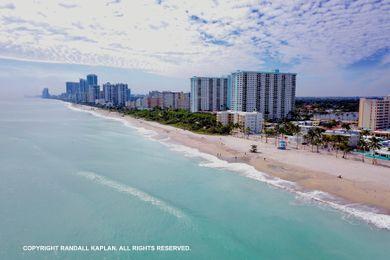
[361, 212]
[132, 192]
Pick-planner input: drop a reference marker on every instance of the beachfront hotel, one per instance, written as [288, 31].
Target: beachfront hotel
[374, 113]
[246, 120]
[209, 94]
[270, 93]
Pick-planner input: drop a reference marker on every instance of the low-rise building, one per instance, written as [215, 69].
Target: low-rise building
[253, 121]
[353, 136]
[346, 116]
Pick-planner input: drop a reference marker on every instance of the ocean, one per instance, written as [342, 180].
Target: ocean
[78, 186]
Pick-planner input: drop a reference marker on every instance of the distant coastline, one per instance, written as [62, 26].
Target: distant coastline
[311, 175]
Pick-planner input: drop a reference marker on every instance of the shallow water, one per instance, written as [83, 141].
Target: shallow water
[71, 178]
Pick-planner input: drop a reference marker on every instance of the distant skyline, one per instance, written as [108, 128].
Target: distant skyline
[338, 48]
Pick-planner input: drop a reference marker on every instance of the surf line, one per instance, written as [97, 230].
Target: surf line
[120, 187]
[370, 216]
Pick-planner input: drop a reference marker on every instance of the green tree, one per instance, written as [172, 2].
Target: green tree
[314, 137]
[346, 126]
[338, 141]
[374, 144]
[269, 132]
[295, 131]
[345, 148]
[363, 145]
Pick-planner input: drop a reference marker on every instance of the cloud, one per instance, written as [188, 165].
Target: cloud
[321, 40]
[7, 6]
[67, 5]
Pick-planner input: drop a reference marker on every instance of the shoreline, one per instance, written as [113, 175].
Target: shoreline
[357, 188]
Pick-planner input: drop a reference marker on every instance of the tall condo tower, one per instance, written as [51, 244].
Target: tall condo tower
[270, 93]
[92, 80]
[209, 94]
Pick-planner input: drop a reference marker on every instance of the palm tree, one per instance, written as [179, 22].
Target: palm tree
[297, 133]
[309, 137]
[292, 129]
[247, 131]
[318, 137]
[346, 126]
[374, 144]
[365, 132]
[314, 137]
[363, 145]
[326, 139]
[343, 146]
[268, 133]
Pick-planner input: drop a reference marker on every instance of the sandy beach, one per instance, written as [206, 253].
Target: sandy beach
[361, 183]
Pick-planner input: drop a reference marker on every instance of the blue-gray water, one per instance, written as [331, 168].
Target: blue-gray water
[69, 178]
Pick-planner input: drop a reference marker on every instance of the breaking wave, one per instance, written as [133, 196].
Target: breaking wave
[361, 212]
[132, 192]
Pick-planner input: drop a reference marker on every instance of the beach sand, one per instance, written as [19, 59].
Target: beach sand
[361, 183]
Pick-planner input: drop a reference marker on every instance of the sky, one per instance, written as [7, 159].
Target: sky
[338, 48]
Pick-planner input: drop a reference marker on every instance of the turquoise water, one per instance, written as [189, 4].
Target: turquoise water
[370, 155]
[70, 178]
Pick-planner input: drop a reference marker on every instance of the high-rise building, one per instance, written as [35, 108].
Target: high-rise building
[169, 99]
[82, 91]
[270, 93]
[140, 102]
[92, 80]
[154, 99]
[122, 90]
[45, 93]
[183, 100]
[209, 94]
[93, 93]
[374, 113]
[115, 95]
[72, 90]
[128, 94]
[108, 93]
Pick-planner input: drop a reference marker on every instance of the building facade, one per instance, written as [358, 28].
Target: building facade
[154, 99]
[71, 91]
[270, 93]
[346, 116]
[82, 93]
[374, 113]
[183, 100]
[209, 94]
[252, 121]
[122, 92]
[92, 79]
[45, 93]
[93, 93]
[168, 99]
[115, 94]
